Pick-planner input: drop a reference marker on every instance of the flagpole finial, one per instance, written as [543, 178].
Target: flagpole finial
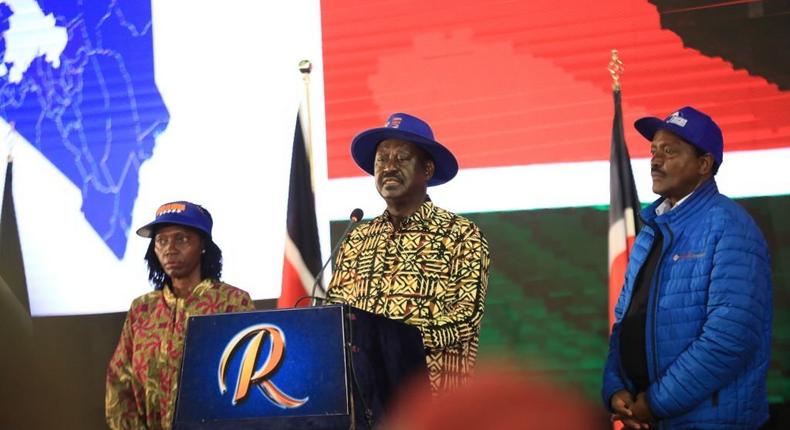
[305, 66]
[616, 69]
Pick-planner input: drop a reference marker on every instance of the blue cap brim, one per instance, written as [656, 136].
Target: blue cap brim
[363, 150]
[649, 126]
[149, 229]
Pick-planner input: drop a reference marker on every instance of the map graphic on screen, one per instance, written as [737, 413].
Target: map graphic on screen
[78, 84]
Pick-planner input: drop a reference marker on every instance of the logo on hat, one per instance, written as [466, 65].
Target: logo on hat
[394, 122]
[678, 120]
[171, 208]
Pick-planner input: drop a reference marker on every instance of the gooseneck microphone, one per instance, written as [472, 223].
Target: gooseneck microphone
[354, 219]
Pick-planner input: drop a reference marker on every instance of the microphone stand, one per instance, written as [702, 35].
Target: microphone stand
[355, 218]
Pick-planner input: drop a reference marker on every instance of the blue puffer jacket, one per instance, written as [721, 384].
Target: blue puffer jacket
[708, 332]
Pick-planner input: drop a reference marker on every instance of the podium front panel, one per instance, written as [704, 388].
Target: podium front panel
[283, 363]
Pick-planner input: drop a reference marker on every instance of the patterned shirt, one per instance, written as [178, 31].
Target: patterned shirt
[142, 377]
[432, 273]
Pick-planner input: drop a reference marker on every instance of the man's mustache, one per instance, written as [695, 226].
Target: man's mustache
[395, 176]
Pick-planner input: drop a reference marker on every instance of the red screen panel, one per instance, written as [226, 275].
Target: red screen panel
[513, 83]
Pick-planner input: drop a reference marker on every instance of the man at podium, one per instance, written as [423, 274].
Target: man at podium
[416, 262]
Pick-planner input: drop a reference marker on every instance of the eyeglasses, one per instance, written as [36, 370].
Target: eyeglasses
[179, 240]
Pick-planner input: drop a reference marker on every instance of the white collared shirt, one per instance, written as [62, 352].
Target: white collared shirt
[666, 206]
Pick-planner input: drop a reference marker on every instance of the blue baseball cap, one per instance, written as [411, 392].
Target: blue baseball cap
[411, 129]
[180, 213]
[691, 125]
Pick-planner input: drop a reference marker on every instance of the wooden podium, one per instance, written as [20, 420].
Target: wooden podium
[330, 367]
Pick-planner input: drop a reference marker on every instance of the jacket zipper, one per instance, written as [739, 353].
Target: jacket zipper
[655, 304]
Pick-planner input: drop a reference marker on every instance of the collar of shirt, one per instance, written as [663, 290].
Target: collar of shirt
[422, 213]
[172, 300]
[666, 206]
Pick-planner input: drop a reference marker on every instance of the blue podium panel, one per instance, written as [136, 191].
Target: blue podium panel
[265, 369]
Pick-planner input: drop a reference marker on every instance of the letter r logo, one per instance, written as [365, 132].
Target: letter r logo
[257, 335]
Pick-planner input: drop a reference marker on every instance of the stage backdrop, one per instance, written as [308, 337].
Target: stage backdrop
[112, 108]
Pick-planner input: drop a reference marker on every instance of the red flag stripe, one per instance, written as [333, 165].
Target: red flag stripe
[294, 258]
[292, 287]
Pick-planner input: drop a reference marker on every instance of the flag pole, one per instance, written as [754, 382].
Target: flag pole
[616, 273]
[305, 67]
[616, 69]
[302, 261]
[624, 202]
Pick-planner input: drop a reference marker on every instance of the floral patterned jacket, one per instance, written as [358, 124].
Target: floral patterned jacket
[142, 376]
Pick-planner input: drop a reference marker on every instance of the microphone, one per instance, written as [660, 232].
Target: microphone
[354, 219]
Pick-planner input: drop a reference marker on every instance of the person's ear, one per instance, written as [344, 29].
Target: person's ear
[705, 164]
[430, 168]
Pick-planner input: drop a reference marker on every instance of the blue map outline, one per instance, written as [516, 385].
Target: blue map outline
[96, 116]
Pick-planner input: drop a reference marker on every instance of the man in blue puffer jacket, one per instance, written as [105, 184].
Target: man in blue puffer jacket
[691, 343]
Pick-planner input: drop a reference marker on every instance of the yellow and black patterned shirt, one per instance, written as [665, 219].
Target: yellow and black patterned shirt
[432, 273]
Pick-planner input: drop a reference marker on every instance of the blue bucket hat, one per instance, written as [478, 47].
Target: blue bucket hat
[411, 129]
[180, 213]
[691, 125]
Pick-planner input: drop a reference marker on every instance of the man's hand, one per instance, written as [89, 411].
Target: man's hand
[641, 409]
[622, 404]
